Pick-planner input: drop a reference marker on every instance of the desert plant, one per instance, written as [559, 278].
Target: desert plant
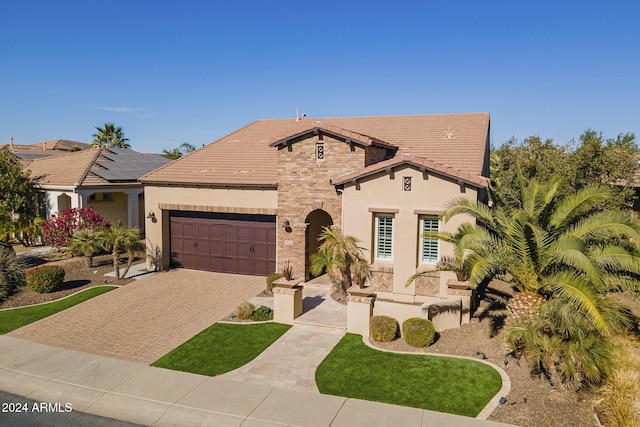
[418, 332]
[338, 255]
[119, 239]
[272, 278]
[11, 272]
[244, 311]
[383, 328]
[287, 271]
[85, 243]
[45, 278]
[28, 231]
[621, 391]
[262, 314]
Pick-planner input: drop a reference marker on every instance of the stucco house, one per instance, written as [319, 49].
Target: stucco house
[104, 178]
[259, 196]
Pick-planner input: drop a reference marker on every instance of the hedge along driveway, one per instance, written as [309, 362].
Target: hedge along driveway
[146, 319]
[443, 384]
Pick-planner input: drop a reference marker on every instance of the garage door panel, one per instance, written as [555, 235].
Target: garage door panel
[232, 243]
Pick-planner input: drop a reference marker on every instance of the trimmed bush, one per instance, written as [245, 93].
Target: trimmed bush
[418, 332]
[383, 328]
[45, 278]
[262, 313]
[244, 311]
[272, 278]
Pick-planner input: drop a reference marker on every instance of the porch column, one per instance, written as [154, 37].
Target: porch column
[132, 207]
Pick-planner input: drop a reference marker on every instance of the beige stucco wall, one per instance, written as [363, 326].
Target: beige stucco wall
[429, 192]
[157, 233]
[113, 210]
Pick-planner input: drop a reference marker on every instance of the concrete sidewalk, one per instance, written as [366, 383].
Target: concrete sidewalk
[145, 395]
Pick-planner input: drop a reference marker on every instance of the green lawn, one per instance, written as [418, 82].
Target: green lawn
[18, 317]
[443, 384]
[222, 348]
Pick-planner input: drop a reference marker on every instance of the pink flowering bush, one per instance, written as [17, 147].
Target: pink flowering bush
[58, 229]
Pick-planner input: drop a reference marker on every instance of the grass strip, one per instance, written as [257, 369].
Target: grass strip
[443, 384]
[222, 348]
[18, 317]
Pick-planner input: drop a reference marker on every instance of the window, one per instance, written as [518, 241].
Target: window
[320, 151]
[428, 245]
[384, 236]
[98, 197]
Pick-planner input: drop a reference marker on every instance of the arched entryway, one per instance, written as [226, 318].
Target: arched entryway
[315, 221]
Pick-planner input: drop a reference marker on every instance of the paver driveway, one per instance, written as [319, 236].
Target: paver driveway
[146, 319]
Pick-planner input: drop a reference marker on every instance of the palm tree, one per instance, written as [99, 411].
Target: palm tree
[120, 239]
[110, 136]
[341, 257]
[562, 256]
[85, 243]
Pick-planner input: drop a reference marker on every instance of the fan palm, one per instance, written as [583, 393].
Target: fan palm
[558, 254]
[120, 239]
[85, 243]
[110, 136]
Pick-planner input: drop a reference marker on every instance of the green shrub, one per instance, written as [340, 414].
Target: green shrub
[45, 278]
[418, 332]
[262, 313]
[272, 278]
[383, 328]
[11, 272]
[244, 311]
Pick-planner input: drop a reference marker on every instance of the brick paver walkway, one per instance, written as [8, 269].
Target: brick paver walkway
[144, 320]
[291, 361]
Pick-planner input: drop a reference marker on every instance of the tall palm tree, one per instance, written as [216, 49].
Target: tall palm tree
[562, 256]
[120, 239]
[110, 136]
[341, 257]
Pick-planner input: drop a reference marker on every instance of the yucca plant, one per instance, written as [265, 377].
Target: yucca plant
[12, 273]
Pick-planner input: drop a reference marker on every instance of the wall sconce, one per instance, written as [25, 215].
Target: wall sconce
[286, 224]
[152, 216]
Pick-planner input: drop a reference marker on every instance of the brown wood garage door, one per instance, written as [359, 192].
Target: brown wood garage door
[227, 243]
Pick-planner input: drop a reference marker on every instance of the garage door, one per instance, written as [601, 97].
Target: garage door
[227, 243]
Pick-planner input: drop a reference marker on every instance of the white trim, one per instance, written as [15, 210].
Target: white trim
[376, 231]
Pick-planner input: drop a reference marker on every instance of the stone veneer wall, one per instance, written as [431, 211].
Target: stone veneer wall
[428, 285]
[374, 155]
[304, 186]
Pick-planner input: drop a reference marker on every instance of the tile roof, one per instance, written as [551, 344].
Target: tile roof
[246, 156]
[475, 180]
[93, 166]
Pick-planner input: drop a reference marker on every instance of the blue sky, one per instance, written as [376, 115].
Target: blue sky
[170, 72]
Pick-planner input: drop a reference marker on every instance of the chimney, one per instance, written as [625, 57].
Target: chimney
[44, 145]
[11, 143]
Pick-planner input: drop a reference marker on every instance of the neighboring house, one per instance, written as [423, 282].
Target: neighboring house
[103, 178]
[29, 152]
[259, 197]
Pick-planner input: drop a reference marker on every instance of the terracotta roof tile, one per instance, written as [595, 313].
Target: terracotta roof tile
[246, 157]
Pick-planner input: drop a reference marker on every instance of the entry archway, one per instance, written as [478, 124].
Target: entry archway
[315, 221]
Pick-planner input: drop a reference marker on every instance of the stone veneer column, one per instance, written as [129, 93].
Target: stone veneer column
[304, 185]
